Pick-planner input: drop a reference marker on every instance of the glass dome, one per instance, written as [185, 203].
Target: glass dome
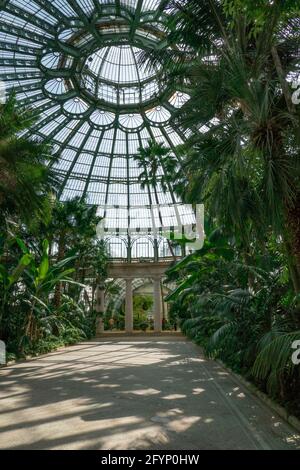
[78, 63]
[112, 74]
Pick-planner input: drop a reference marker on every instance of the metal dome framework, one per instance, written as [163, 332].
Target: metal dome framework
[77, 63]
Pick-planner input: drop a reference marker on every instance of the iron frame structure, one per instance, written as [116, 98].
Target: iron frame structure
[44, 50]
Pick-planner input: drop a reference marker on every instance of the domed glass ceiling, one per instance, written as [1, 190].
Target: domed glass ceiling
[78, 63]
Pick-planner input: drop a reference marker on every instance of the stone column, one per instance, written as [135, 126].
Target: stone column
[129, 307]
[129, 250]
[157, 306]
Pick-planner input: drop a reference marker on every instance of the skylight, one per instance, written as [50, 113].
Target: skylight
[77, 62]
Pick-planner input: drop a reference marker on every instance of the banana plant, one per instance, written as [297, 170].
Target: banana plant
[41, 280]
[9, 279]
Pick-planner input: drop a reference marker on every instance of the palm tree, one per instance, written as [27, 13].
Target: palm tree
[73, 225]
[152, 159]
[159, 168]
[25, 177]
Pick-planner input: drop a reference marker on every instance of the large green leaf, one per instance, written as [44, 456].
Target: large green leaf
[61, 264]
[185, 284]
[21, 245]
[44, 265]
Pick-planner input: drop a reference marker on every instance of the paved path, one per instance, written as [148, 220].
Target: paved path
[133, 393]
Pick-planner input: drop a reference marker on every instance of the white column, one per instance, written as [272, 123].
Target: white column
[157, 306]
[129, 307]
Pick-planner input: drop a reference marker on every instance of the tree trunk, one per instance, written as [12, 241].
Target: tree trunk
[161, 221]
[292, 211]
[29, 327]
[282, 78]
[293, 242]
[93, 297]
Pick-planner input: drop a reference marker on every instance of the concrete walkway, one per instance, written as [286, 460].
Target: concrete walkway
[133, 393]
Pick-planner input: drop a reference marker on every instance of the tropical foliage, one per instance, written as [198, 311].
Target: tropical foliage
[239, 295]
[159, 168]
[49, 255]
[142, 305]
[25, 177]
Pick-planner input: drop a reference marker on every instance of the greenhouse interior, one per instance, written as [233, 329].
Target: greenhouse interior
[149, 226]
